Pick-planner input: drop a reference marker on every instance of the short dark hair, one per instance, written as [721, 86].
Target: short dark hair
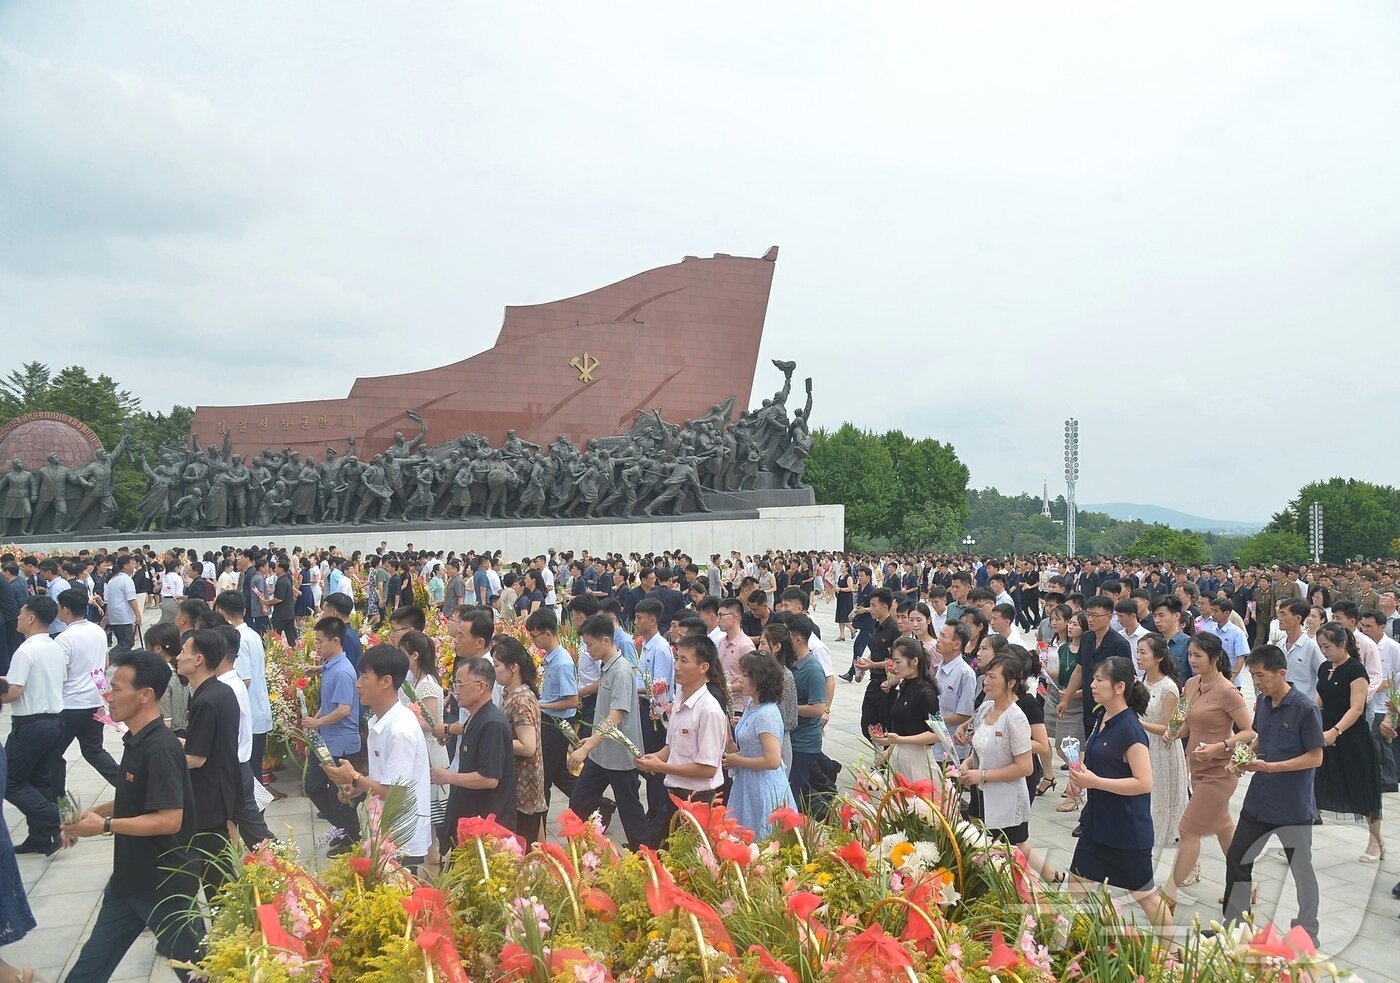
[210, 643]
[1007, 611]
[544, 620]
[410, 615]
[1126, 606]
[584, 604]
[650, 606]
[194, 609]
[331, 628]
[338, 602]
[708, 603]
[386, 660]
[74, 599]
[149, 671]
[1268, 657]
[598, 626]
[883, 595]
[1099, 603]
[231, 602]
[1298, 607]
[800, 624]
[797, 594]
[43, 607]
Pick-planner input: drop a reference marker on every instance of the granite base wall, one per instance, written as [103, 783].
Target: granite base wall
[755, 530]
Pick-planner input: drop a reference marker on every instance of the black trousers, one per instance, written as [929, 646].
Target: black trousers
[341, 815]
[870, 705]
[209, 847]
[653, 740]
[120, 921]
[588, 796]
[252, 827]
[9, 641]
[80, 724]
[554, 747]
[28, 767]
[661, 823]
[1251, 836]
[125, 636]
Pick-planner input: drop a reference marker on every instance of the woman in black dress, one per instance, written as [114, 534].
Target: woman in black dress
[845, 599]
[908, 705]
[1349, 780]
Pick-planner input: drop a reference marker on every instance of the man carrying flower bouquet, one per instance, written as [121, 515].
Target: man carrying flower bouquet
[654, 686]
[607, 760]
[338, 722]
[398, 749]
[483, 783]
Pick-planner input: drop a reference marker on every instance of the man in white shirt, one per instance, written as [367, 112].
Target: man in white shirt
[1304, 657]
[957, 684]
[35, 696]
[547, 580]
[398, 749]
[249, 819]
[1129, 627]
[1373, 627]
[1003, 622]
[250, 662]
[54, 585]
[84, 647]
[1346, 614]
[1232, 637]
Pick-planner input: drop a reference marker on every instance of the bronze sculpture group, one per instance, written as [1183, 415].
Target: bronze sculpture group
[657, 467]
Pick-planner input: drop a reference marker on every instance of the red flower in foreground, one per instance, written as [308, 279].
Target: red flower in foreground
[360, 865]
[1301, 942]
[854, 855]
[788, 818]
[302, 682]
[874, 955]
[1268, 942]
[803, 903]
[773, 966]
[470, 827]
[735, 852]
[1003, 956]
[572, 827]
[596, 901]
[270, 921]
[516, 963]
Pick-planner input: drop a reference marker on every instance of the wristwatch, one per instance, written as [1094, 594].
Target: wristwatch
[107, 826]
[355, 780]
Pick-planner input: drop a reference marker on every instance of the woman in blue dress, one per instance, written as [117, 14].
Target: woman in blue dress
[1115, 845]
[306, 594]
[15, 917]
[756, 754]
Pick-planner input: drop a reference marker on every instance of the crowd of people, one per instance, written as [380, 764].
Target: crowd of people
[1123, 680]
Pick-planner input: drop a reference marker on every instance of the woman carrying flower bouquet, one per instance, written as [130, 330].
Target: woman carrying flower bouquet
[904, 719]
[755, 755]
[1348, 782]
[1169, 789]
[1216, 722]
[1002, 757]
[1115, 847]
[517, 674]
[428, 694]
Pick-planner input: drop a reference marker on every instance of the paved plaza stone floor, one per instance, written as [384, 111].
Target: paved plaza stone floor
[1359, 926]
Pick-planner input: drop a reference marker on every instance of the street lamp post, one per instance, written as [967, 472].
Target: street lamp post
[1071, 476]
[968, 543]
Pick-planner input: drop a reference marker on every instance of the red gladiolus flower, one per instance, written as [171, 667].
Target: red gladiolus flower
[846, 813]
[428, 941]
[735, 852]
[470, 827]
[1003, 956]
[597, 901]
[302, 682]
[854, 854]
[412, 905]
[270, 921]
[360, 865]
[803, 903]
[874, 955]
[556, 851]
[516, 963]
[916, 929]
[659, 893]
[1301, 942]
[773, 966]
[572, 827]
[788, 818]
[1268, 942]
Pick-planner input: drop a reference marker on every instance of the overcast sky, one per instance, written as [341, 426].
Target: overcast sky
[1178, 222]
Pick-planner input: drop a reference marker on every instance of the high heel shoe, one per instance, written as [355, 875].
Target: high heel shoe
[1170, 902]
[1192, 877]
[1253, 896]
[1070, 803]
[1373, 858]
[1046, 786]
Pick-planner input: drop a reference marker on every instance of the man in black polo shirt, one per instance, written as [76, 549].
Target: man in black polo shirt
[211, 751]
[1101, 643]
[284, 603]
[1279, 800]
[484, 782]
[878, 659]
[152, 820]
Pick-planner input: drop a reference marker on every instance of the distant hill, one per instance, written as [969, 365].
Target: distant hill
[1124, 511]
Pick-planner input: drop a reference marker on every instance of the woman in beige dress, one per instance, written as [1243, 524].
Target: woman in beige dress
[1217, 720]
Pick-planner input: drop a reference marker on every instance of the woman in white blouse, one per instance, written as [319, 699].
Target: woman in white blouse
[1001, 758]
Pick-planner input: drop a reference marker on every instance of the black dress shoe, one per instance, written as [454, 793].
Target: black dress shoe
[35, 845]
[339, 847]
[1078, 828]
[1395, 891]
[849, 676]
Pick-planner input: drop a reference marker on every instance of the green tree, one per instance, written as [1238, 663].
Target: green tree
[22, 389]
[929, 528]
[1170, 544]
[852, 467]
[927, 472]
[1358, 518]
[1269, 547]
